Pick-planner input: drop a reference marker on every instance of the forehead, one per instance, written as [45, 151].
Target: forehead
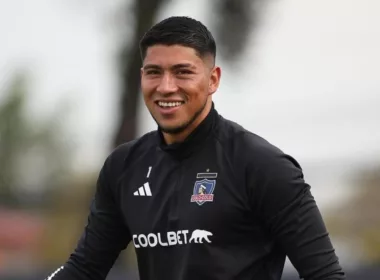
[171, 55]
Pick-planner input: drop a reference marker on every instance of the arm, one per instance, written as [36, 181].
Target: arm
[104, 237]
[292, 217]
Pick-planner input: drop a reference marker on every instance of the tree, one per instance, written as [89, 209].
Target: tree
[236, 20]
[358, 220]
[32, 158]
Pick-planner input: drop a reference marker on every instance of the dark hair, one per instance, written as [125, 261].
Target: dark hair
[180, 30]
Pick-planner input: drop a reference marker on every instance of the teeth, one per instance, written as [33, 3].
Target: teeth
[169, 104]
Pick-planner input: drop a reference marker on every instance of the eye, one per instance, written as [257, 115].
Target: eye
[184, 72]
[152, 72]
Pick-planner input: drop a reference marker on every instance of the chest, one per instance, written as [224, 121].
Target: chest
[159, 195]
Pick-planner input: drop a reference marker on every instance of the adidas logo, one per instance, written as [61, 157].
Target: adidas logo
[143, 190]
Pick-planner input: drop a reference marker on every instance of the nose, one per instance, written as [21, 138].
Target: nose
[167, 84]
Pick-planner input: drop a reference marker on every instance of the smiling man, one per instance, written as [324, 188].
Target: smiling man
[201, 197]
[177, 83]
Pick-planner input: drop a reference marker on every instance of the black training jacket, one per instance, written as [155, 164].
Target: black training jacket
[225, 204]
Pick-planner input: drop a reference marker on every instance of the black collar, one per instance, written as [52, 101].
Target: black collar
[194, 141]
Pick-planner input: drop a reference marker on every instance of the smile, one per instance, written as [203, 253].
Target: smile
[171, 104]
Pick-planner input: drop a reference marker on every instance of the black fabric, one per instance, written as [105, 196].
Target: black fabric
[257, 209]
[194, 141]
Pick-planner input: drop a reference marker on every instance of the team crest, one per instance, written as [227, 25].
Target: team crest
[203, 191]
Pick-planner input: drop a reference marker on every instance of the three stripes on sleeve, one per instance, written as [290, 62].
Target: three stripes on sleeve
[51, 277]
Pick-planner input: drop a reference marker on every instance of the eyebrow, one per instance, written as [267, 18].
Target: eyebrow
[174, 67]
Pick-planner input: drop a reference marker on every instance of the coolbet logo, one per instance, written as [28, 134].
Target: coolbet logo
[171, 238]
[199, 235]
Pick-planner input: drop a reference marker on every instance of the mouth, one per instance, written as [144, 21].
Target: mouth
[169, 104]
[169, 107]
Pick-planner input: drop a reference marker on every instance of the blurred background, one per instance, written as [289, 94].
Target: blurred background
[302, 74]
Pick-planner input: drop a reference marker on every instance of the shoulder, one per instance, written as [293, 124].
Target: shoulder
[253, 150]
[273, 178]
[138, 147]
[232, 134]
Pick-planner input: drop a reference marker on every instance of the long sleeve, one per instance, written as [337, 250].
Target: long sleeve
[103, 238]
[290, 213]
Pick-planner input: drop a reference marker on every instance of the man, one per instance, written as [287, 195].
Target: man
[255, 209]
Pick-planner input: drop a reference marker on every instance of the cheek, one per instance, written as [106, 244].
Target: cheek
[196, 89]
[147, 89]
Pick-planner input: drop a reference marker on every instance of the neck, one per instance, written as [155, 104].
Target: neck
[180, 137]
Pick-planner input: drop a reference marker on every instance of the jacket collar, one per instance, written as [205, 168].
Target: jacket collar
[194, 141]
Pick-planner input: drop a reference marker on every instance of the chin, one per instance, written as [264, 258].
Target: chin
[173, 129]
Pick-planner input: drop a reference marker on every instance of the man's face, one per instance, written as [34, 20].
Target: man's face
[176, 84]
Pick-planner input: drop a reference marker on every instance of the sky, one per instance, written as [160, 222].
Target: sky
[308, 82]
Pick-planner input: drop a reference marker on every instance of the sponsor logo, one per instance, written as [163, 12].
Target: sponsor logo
[171, 238]
[143, 191]
[199, 235]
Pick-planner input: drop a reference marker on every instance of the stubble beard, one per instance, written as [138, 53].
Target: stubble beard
[181, 128]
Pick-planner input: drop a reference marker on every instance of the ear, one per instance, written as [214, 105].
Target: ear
[141, 74]
[214, 79]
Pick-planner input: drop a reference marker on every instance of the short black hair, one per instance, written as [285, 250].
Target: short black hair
[180, 30]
